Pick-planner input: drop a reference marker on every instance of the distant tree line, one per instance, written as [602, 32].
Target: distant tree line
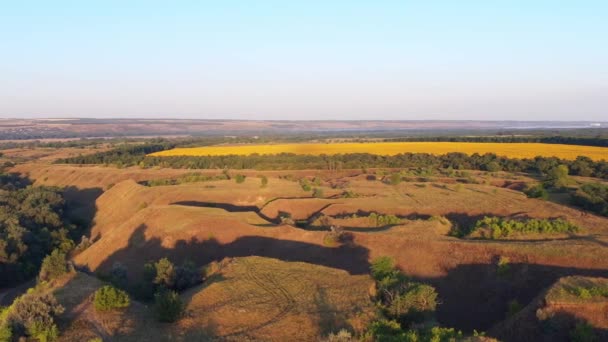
[136, 155]
[566, 140]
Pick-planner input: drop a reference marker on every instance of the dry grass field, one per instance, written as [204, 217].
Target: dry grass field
[511, 150]
[283, 275]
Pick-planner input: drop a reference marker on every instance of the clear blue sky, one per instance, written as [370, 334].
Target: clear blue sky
[496, 60]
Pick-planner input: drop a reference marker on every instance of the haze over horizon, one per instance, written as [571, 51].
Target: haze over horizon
[274, 60]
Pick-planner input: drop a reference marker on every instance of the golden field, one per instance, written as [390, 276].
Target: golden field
[511, 150]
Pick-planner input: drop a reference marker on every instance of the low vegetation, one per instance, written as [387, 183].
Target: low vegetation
[188, 178]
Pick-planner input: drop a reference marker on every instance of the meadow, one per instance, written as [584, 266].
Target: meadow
[510, 150]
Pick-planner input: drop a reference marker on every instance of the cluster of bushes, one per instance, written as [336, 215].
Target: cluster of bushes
[32, 224]
[239, 178]
[161, 283]
[592, 197]
[497, 227]
[400, 297]
[187, 178]
[383, 220]
[589, 292]
[31, 315]
[336, 236]
[391, 331]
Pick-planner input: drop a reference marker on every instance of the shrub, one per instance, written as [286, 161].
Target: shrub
[6, 333]
[43, 333]
[503, 266]
[110, 298]
[305, 184]
[263, 181]
[186, 275]
[317, 192]
[336, 236]
[168, 306]
[239, 178]
[382, 267]
[537, 191]
[53, 266]
[341, 336]
[395, 179]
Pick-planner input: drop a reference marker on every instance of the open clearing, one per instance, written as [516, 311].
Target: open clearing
[511, 150]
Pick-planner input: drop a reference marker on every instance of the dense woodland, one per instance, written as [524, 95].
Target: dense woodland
[32, 224]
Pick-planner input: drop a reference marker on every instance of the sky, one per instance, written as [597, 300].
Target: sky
[328, 59]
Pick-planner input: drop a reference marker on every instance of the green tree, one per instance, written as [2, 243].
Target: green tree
[53, 266]
[165, 273]
[34, 314]
[557, 177]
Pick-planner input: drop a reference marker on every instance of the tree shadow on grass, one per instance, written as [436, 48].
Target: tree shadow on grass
[349, 257]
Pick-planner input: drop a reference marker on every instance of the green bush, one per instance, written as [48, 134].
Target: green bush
[317, 192]
[110, 298]
[592, 197]
[263, 181]
[537, 191]
[305, 184]
[395, 179]
[239, 178]
[383, 267]
[168, 306]
[6, 333]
